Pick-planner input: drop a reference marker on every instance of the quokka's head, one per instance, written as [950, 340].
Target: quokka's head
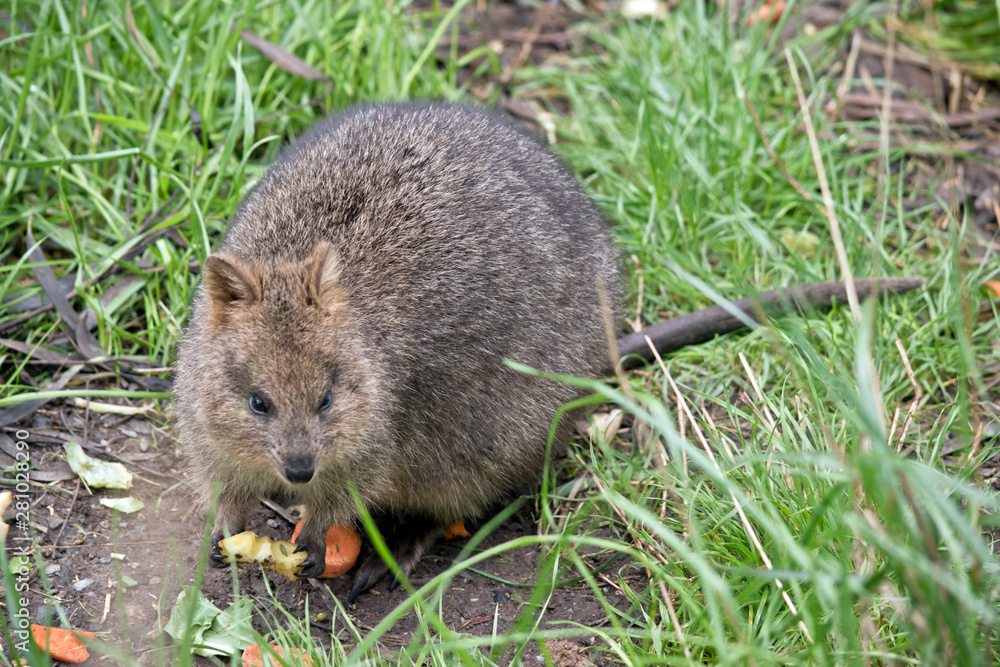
[282, 360]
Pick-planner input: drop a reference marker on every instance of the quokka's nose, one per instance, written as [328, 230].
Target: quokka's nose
[299, 471]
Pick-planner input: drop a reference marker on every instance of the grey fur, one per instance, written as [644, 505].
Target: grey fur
[395, 255]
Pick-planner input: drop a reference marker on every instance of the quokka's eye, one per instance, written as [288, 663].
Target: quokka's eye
[257, 404]
[326, 402]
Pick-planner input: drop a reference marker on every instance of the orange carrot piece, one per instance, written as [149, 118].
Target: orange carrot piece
[60, 643]
[456, 530]
[252, 656]
[770, 11]
[343, 544]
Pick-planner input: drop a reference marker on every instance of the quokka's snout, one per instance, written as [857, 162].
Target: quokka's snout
[299, 470]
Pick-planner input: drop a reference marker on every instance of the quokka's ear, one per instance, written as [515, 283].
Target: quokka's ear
[228, 282]
[324, 267]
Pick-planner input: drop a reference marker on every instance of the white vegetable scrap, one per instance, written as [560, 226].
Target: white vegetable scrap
[5, 499]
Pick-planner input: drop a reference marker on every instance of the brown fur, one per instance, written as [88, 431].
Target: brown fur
[394, 256]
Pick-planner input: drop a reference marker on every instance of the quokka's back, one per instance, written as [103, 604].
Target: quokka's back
[353, 325]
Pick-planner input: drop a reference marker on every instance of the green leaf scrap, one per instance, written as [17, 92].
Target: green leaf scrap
[95, 473]
[215, 632]
[125, 505]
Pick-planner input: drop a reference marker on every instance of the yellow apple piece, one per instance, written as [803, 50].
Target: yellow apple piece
[277, 555]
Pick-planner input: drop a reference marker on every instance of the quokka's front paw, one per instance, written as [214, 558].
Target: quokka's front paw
[215, 557]
[315, 562]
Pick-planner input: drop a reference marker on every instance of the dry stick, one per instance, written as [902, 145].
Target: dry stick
[662, 453]
[279, 510]
[637, 541]
[762, 413]
[107, 603]
[637, 324]
[523, 54]
[138, 158]
[766, 414]
[681, 424]
[907, 55]
[838, 241]
[881, 194]
[760, 395]
[672, 613]
[774, 158]
[976, 440]
[892, 429]
[955, 78]
[908, 111]
[747, 526]
[649, 575]
[937, 63]
[55, 543]
[881, 187]
[849, 67]
[917, 394]
[574, 490]
[606, 579]
[560, 40]
[609, 333]
[88, 50]
[658, 441]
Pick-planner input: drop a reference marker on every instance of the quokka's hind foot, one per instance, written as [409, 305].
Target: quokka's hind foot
[407, 541]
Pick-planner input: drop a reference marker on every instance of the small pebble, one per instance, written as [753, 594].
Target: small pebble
[140, 426]
[45, 615]
[82, 585]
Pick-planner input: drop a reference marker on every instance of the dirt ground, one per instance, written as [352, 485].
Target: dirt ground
[158, 548]
[87, 555]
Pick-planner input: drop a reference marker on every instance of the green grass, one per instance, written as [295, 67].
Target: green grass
[962, 31]
[881, 558]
